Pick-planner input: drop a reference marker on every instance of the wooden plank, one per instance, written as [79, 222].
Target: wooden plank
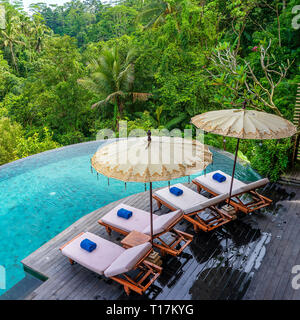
[289, 259]
[296, 293]
[76, 283]
[283, 255]
[273, 254]
[276, 249]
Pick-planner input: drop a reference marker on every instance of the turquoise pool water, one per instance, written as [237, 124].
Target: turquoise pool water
[42, 195]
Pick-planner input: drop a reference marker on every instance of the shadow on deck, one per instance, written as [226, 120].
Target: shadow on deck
[248, 258]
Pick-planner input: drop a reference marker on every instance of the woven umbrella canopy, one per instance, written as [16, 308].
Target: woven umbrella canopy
[150, 159]
[244, 124]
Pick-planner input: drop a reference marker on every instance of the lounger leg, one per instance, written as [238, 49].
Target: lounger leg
[199, 189]
[127, 290]
[71, 261]
[108, 230]
[158, 204]
[163, 252]
[196, 228]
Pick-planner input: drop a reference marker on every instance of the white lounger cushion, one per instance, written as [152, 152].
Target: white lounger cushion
[219, 187]
[127, 260]
[251, 186]
[99, 259]
[189, 201]
[222, 187]
[213, 201]
[139, 220]
[162, 223]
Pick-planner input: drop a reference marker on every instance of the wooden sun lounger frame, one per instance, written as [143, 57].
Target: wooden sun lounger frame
[149, 272]
[220, 217]
[165, 248]
[258, 201]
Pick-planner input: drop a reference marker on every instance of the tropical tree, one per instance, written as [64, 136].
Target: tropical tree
[156, 11]
[39, 31]
[238, 81]
[112, 78]
[11, 37]
[10, 133]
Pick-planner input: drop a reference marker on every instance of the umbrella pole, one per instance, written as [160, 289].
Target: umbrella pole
[151, 214]
[233, 171]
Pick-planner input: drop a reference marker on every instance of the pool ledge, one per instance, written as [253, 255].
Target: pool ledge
[268, 276]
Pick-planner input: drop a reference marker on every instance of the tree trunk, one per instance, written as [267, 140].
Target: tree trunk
[120, 105]
[278, 23]
[120, 108]
[38, 45]
[116, 117]
[13, 56]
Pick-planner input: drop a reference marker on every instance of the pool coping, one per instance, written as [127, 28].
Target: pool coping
[6, 165]
[49, 151]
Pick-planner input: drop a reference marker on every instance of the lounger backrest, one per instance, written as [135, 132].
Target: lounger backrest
[127, 260]
[162, 222]
[210, 202]
[251, 186]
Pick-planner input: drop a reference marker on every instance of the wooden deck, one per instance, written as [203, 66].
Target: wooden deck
[249, 258]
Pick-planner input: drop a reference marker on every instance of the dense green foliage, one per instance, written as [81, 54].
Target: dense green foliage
[154, 63]
[13, 144]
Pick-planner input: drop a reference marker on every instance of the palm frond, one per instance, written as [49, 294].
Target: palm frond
[126, 77]
[89, 85]
[97, 104]
[175, 121]
[110, 98]
[130, 56]
[160, 20]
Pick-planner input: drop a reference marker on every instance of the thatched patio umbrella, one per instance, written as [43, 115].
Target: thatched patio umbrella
[149, 159]
[244, 124]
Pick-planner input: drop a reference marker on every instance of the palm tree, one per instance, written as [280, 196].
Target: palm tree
[156, 12]
[39, 32]
[11, 36]
[112, 78]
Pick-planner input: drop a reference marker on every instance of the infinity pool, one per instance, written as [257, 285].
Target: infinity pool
[42, 195]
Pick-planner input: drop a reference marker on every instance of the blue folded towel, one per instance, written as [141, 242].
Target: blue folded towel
[123, 213]
[88, 245]
[219, 177]
[176, 191]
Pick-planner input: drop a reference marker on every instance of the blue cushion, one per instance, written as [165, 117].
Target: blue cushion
[176, 191]
[123, 213]
[88, 245]
[219, 177]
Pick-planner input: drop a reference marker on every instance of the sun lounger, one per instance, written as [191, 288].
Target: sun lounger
[194, 207]
[140, 220]
[113, 261]
[206, 182]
